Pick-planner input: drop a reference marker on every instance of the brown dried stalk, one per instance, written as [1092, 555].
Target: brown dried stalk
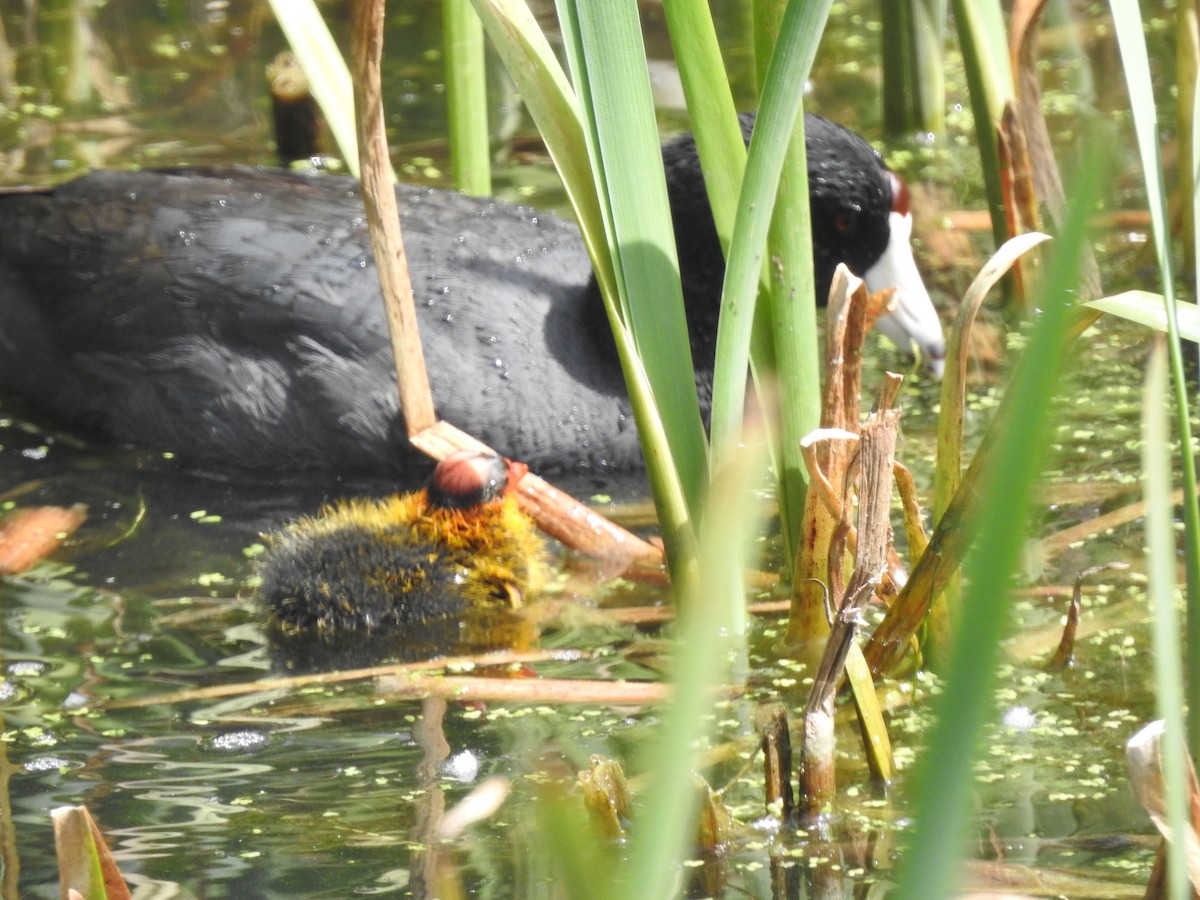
[845, 325]
[86, 867]
[1065, 654]
[31, 534]
[877, 450]
[523, 690]
[492, 659]
[383, 217]
[777, 760]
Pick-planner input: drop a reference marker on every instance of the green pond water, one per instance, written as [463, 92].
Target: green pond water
[326, 791]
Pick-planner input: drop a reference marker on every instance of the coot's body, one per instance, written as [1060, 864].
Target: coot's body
[234, 316]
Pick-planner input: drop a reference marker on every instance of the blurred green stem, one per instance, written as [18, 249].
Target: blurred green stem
[779, 106]
[913, 84]
[466, 98]
[1187, 66]
[982, 36]
[1168, 650]
[790, 305]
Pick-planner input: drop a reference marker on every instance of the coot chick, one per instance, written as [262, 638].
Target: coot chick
[234, 317]
[458, 544]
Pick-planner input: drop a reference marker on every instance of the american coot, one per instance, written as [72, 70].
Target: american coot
[458, 544]
[234, 316]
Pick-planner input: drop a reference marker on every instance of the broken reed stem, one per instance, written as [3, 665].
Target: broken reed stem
[1064, 656]
[1020, 202]
[941, 560]
[877, 451]
[850, 315]
[383, 216]
[777, 762]
[523, 690]
[30, 534]
[845, 324]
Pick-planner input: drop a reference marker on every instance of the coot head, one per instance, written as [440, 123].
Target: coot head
[860, 217]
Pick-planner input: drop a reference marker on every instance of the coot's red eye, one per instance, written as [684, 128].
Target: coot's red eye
[845, 222]
[900, 198]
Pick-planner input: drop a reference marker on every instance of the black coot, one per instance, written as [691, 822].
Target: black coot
[234, 316]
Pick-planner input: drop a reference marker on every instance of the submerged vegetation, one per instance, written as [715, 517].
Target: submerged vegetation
[833, 488]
